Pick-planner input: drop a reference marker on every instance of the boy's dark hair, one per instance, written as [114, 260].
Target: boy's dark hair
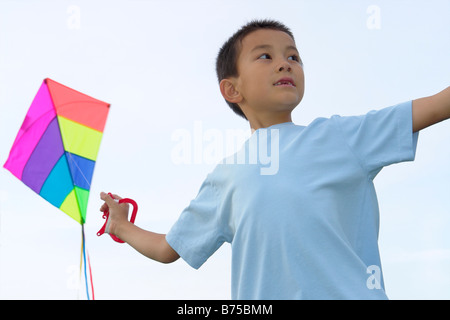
[226, 63]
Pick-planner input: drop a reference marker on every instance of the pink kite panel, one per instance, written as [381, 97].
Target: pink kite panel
[38, 117]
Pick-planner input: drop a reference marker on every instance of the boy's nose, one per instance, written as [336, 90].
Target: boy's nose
[285, 66]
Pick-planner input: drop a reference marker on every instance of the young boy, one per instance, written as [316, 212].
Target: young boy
[309, 229]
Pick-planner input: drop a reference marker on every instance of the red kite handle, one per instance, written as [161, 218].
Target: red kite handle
[106, 216]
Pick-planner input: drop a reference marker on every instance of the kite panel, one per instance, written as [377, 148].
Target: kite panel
[37, 119]
[78, 107]
[79, 139]
[70, 207]
[81, 170]
[82, 197]
[58, 184]
[44, 157]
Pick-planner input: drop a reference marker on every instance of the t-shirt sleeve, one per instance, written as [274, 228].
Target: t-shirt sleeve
[381, 137]
[200, 230]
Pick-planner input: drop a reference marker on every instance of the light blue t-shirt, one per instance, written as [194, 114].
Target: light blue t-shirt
[299, 207]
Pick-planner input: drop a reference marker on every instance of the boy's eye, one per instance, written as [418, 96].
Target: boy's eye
[265, 56]
[294, 58]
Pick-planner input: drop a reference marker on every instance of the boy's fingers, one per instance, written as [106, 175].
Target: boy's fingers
[108, 200]
[104, 207]
[104, 196]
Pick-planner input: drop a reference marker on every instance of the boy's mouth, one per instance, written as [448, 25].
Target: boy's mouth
[285, 82]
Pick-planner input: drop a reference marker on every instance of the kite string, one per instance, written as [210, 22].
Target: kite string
[84, 250]
[81, 264]
[84, 259]
[90, 275]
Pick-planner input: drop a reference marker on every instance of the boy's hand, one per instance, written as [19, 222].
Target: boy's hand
[150, 244]
[118, 213]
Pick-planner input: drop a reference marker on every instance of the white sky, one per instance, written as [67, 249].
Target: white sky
[154, 62]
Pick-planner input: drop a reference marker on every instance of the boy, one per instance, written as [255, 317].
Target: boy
[309, 229]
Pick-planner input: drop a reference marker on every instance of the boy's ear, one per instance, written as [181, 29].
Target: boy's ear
[229, 92]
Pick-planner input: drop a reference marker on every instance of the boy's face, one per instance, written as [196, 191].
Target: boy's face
[270, 72]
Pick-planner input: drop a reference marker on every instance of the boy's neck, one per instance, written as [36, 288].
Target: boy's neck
[266, 120]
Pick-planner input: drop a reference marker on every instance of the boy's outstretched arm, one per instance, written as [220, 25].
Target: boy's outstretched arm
[150, 244]
[430, 110]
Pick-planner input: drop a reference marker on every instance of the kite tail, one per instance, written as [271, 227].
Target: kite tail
[84, 253]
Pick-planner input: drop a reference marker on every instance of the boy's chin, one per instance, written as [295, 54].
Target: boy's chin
[288, 105]
[289, 101]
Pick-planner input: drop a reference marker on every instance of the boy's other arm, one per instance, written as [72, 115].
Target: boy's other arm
[430, 110]
[150, 244]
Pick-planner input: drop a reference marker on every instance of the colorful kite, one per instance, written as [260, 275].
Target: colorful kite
[55, 150]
